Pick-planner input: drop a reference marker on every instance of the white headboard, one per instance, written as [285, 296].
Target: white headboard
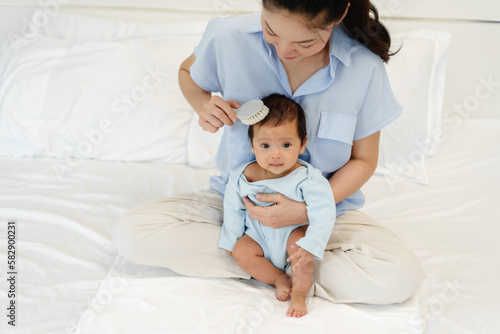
[473, 75]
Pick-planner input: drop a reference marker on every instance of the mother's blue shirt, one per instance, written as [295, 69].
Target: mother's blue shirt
[347, 100]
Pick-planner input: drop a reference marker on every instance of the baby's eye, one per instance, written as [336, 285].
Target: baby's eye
[287, 145]
[264, 145]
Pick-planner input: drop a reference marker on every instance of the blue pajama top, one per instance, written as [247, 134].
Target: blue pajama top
[347, 100]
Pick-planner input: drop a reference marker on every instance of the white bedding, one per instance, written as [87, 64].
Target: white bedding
[71, 278]
[65, 252]
[64, 229]
[165, 302]
[453, 225]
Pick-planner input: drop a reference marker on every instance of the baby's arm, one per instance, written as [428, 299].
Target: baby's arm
[233, 226]
[321, 211]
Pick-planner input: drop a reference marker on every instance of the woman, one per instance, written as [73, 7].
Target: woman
[327, 56]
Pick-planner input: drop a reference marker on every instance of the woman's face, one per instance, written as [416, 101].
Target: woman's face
[291, 37]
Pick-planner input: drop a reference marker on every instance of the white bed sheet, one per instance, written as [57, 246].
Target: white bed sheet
[136, 299]
[64, 246]
[65, 253]
[65, 250]
[453, 225]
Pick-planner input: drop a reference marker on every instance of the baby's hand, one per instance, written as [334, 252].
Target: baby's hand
[300, 257]
[230, 253]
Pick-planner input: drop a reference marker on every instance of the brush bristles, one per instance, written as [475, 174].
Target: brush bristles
[257, 117]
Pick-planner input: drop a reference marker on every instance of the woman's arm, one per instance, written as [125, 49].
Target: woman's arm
[345, 182]
[354, 174]
[213, 111]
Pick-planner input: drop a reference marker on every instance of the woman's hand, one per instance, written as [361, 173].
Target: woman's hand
[216, 112]
[213, 111]
[285, 212]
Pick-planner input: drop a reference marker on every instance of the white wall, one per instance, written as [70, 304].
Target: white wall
[191, 5]
[449, 9]
[488, 10]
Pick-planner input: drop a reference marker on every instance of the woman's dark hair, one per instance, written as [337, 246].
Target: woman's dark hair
[362, 26]
[282, 110]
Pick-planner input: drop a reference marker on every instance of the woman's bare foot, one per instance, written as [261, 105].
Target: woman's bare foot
[297, 307]
[283, 286]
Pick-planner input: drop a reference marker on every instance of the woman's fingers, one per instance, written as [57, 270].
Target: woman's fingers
[254, 211]
[207, 126]
[271, 198]
[266, 215]
[216, 113]
[230, 111]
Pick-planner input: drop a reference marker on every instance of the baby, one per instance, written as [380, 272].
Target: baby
[277, 141]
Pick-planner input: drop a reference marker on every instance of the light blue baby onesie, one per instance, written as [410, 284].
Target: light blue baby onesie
[305, 184]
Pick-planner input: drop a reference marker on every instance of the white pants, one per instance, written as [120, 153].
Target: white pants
[363, 263]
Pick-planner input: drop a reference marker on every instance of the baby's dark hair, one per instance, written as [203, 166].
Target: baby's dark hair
[281, 110]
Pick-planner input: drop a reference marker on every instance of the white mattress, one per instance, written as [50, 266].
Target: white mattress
[70, 278]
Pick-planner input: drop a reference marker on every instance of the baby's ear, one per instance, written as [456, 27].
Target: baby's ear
[303, 147]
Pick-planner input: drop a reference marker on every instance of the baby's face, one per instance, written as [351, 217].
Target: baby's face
[277, 148]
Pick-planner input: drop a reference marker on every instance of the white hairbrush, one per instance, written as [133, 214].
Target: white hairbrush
[252, 112]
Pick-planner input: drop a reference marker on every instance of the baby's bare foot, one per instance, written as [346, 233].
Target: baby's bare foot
[283, 286]
[297, 307]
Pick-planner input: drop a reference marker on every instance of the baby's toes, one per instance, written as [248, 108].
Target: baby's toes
[300, 313]
[283, 295]
[295, 311]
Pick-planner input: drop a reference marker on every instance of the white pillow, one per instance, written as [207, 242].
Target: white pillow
[75, 26]
[104, 99]
[417, 76]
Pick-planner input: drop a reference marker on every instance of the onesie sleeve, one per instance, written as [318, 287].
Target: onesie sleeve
[318, 196]
[233, 226]
[204, 71]
[380, 107]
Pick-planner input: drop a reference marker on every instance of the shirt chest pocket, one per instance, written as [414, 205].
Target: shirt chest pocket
[332, 147]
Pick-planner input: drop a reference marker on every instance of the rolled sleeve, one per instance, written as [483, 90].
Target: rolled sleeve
[204, 70]
[380, 107]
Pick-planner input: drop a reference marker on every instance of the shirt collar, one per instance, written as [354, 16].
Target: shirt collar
[340, 45]
[255, 25]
